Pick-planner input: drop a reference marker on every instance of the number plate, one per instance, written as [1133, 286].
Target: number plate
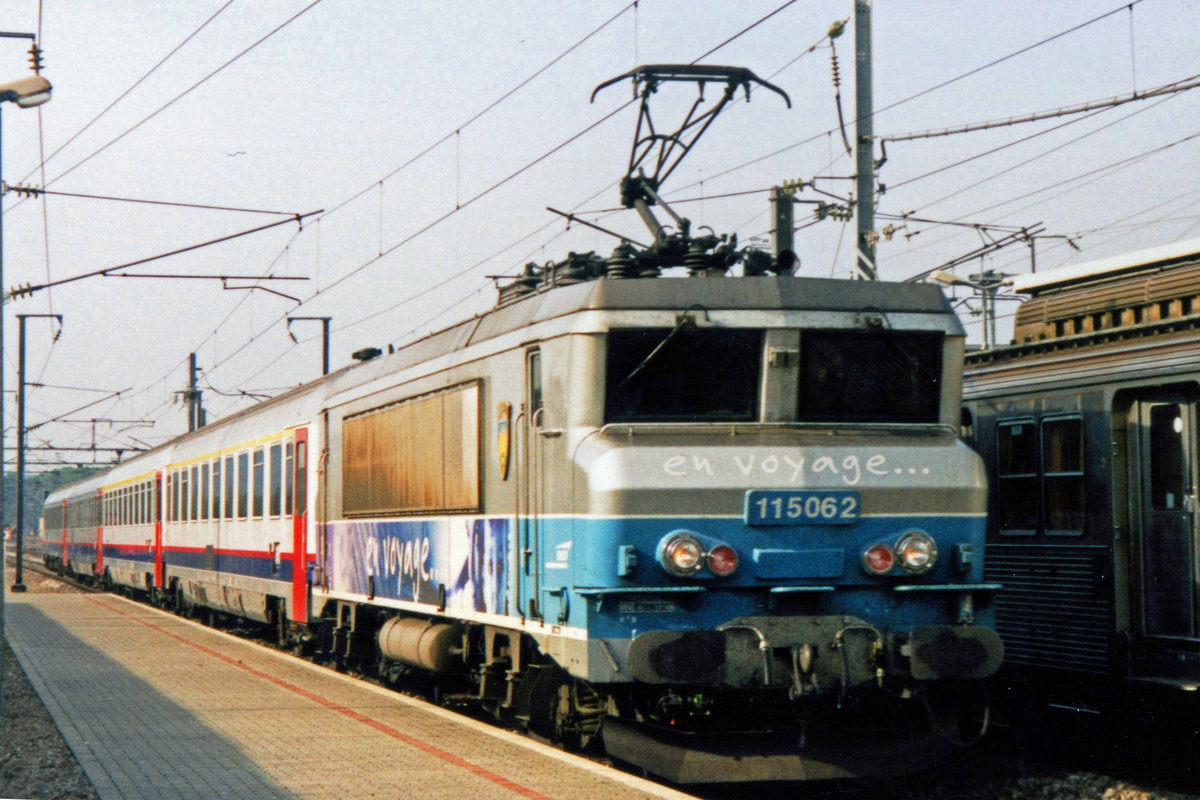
[801, 507]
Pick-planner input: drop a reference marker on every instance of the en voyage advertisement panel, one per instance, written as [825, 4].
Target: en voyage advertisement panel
[413, 559]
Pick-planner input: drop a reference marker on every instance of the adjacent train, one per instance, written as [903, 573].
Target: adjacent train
[1088, 423]
[723, 523]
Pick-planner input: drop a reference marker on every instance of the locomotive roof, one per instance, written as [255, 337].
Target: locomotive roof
[760, 293]
[767, 293]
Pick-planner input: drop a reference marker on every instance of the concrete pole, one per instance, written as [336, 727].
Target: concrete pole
[864, 140]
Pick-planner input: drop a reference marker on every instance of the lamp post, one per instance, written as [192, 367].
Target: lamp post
[986, 284]
[18, 582]
[26, 92]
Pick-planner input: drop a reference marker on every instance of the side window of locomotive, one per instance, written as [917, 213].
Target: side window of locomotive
[1017, 492]
[533, 368]
[1062, 475]
[683, 375]
[866, 376]
[419, 455]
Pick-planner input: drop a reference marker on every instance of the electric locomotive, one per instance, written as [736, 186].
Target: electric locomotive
[724, 524]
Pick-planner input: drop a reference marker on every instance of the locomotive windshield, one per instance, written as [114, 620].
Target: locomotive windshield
[685, 375]
[884, 376]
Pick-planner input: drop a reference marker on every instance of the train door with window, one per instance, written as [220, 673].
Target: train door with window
[296, 499]
[528, 484]
[1165, 468]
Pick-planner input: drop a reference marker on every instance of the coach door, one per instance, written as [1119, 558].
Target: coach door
[296, 499]
[1166, 547]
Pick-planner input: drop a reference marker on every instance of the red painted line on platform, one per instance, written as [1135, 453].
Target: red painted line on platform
[432, 750]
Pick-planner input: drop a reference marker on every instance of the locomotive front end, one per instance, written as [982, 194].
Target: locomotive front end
[778, 531]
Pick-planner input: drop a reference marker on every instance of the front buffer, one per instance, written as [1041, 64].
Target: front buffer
[815, 667]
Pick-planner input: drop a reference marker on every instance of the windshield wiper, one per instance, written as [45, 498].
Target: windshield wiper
[684, 321]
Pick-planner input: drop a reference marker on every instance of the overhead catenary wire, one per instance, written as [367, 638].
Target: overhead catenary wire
[1027, 161]
[441, 219]
[387, 251]
[454, 134]
[44, 159]
[225, 65]
[929, 90]
[456, 131]
[33, 191]
[1092, 105]
[239, 302]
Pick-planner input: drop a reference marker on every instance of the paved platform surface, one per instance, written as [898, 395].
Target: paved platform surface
[155, 706]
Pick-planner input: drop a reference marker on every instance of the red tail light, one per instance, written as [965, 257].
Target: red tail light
[879, 559]
[722, 560]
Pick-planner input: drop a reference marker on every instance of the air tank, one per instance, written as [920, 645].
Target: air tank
[429, 645]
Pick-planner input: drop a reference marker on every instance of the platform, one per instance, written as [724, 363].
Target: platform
[155, 706]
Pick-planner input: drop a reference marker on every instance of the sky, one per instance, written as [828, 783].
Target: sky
[424, 142]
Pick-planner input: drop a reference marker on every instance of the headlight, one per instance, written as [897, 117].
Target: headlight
[917, 552]
[683, 555]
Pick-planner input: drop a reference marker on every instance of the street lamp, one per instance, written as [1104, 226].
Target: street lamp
[986, 284]
[26, 92]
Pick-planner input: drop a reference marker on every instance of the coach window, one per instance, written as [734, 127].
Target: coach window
[289, 478]
[1062, 475]
[301, 477]
[216, 488]
[1167, 484]
[204, 479]
[243, 484]
[185, 494]
[275, 490]
[259, 477]
[229, 487]
[192, 499]
[1017, 495]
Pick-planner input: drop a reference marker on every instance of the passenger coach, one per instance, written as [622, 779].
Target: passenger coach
[1088, 424]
